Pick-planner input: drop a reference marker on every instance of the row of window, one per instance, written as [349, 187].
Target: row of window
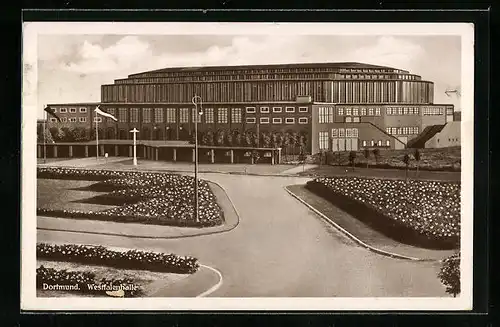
[402, 111]
[412, 130]
[265, 110]
[358, 111]
[431, 111]
[70, 119]
[345, 132]
[378, 143]
[277, 120]
[71, 110]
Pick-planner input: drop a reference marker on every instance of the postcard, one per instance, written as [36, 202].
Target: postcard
[247, 166]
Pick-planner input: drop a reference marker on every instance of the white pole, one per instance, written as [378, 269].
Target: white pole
[134, 161]
[96, 135]
[44, 140]
[195, 102]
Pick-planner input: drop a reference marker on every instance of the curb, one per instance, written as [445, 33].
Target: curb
[354, 238]
[216, 286]
[157, 237]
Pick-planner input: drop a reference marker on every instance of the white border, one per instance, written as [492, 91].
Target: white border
[31, 30]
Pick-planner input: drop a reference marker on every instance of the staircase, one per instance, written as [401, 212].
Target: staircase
[422, 138]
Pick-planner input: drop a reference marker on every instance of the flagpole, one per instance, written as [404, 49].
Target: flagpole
[96, 136]
[44, 140]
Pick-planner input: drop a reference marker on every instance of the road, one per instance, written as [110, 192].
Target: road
[281, 249]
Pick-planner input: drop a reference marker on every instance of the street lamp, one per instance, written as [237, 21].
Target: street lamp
[135, 131]
[196, 101]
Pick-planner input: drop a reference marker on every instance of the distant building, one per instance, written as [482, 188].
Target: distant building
[457, 116]
[448, 136]
[335, 106]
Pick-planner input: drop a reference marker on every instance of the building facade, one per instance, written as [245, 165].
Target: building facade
[339, 106]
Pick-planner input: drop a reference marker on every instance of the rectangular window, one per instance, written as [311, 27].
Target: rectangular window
[264, 110]
[416, 110]
[277, 121]
[389, 111]
[379, 143]
[370, 111]
[251, 120]
[405, 130]
[63, 110]
[195, 115]
[146, 115]
[122, 115]
[83, 110]
[222, 116]
[364, 143]
[170, 115]
[134, 115]
[363, 111]
[82, 119]
[184, 115]
[387, 143]
[209, 115]
[388, 130]
[277, 109]
[264, 120]
[158, 115]
[72, 120]
[236, 115]
[377, 111]
[341, 111]
[335, 132]
[400, 111]
[416, 130]
[290, 120]
[63, 119]
[394, 131]
[341, 132]
[250, 110]
[290, 109]
[400, 131]
[323, 140]
[355, 119]
[72, 110]
[355, 112]
[372, 142]
[303, 109]
[405, 111]
[303, 120]
[348, 111]
[96, 119]
[53, 120]
[348, 132]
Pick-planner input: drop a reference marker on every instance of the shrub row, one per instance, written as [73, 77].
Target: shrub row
[422, 213]
[450, 274]
[83, 279]
[132, 259]
[150, 198]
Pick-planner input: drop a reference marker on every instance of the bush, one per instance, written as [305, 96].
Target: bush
[450, 274]
[149, 198]
[83, 279]
[132, 259]
[427, 213]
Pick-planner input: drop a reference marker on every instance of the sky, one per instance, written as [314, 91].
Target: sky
[71, 68]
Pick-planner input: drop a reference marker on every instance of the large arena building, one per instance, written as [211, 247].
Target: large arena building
[334, 106]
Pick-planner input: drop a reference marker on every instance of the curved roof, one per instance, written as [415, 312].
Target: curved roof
[356, 65]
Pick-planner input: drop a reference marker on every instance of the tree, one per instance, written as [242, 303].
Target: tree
[237, 139]
[209, 135]
[406, 160]
[417, 158]
[255, 139]
[376, 154]
[366, 153]
[248, 138]
[219, 138]
[266, 139]
[274, 140]
[352, 159]
[449, 274]
[48, 135]
[228, 139]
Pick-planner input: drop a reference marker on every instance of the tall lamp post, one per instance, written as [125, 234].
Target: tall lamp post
[135, 131]
[196, 101]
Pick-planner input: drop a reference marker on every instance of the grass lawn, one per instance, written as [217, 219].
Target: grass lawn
[149, 282]
[66, 194]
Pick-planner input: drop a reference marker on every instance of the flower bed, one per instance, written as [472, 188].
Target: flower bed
[417, 212]
[132, 259]
[82, 280]
[150, 198]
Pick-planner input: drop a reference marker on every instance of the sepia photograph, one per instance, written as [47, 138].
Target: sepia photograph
[247, 166]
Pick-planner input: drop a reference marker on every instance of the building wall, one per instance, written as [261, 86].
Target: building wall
[449, 136]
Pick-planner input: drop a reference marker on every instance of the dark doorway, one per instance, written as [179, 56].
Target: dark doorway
[123, 134]
[158, 134]
[169, 134]
[110, 134]
[146, 134]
